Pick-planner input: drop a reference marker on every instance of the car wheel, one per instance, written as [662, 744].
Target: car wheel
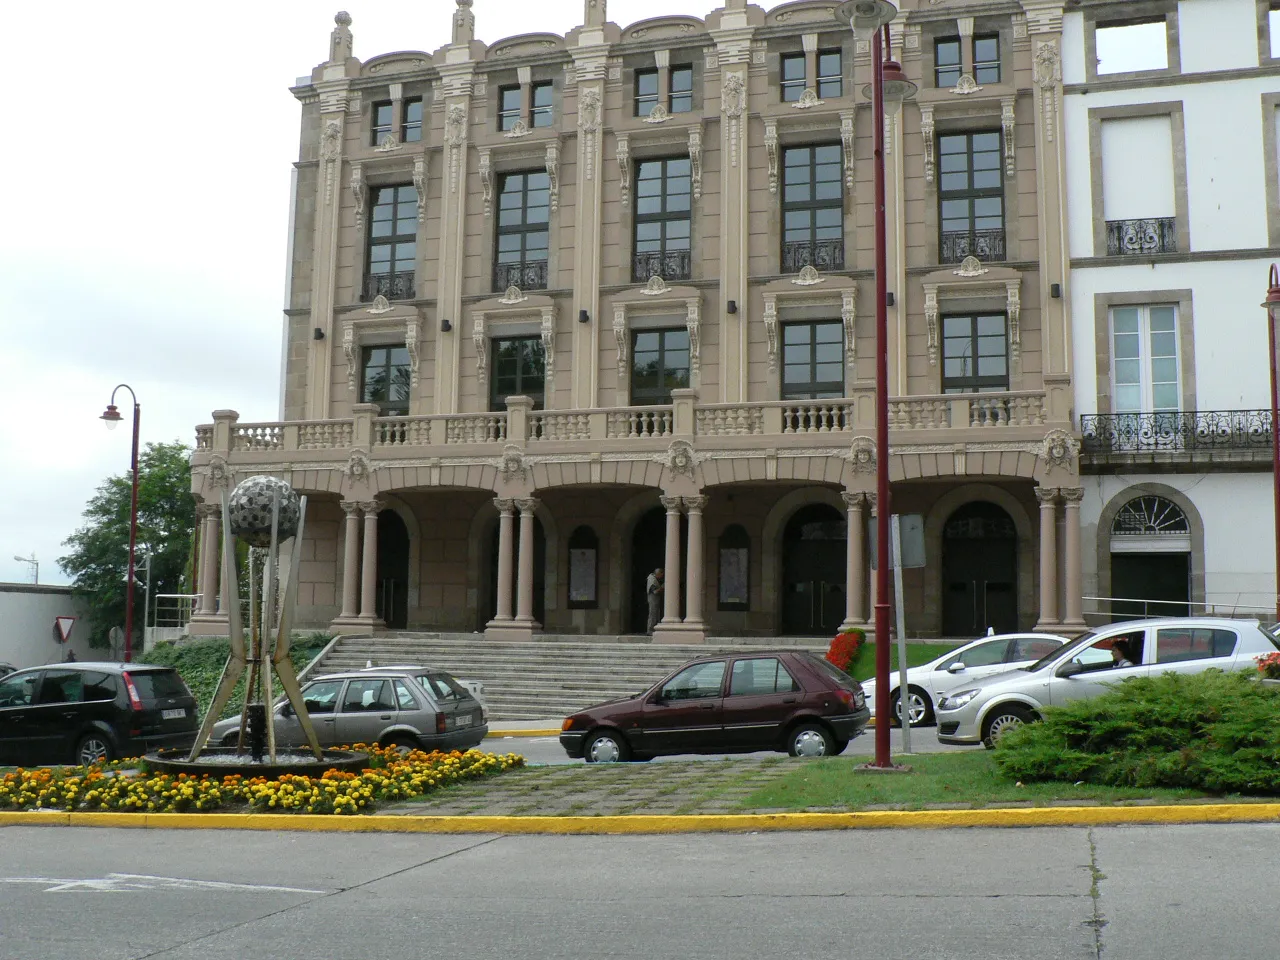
[402, 745]
[919, 706]
[93, 748]
[810, 740]
[1003, 719]
[606, 746]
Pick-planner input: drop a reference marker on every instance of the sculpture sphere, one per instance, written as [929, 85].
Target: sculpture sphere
[250, 510]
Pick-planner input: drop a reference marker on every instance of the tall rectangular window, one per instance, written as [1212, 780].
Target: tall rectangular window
[393, 247]
[1132, 46]
[1144, 359]
[970, 197]
[524, 211]
[793, 78]
[646, 91]
[519, 370]
[385, 381]
[383, 121]
[663, 202]
[659, 364]
[986, 59]
[946, 62]
[830, 80]
[411, 126]
[975, 353]
[541, 111]
[681, 89]
[812, 360]
[812, 208]
[510, 106]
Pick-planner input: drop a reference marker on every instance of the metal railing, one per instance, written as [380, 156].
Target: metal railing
[820, 254]
[1100, 611]
[985, 245]
[667, 264]
[527, 275]
[1133, 237]
[1182, 431]
[393, 286]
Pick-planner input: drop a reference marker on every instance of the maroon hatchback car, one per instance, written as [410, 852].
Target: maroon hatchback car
[784, 700]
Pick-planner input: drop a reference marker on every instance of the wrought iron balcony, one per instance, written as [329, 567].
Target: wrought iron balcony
[1134, 237]
[527, 275]
[667, 264]
[821, 254]
[985, 245]
[1123, 436]
[393, 286]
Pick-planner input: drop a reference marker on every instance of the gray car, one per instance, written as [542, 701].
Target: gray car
[390, 706]
[1092, 664]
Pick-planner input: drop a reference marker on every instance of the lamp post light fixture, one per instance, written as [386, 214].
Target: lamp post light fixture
[35, 564]
[112, 417]
[1272, 306]
[889, 86]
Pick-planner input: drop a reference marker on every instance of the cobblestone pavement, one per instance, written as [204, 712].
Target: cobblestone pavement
[607, 789]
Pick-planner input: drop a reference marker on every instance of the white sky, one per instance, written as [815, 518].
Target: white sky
[143, 231]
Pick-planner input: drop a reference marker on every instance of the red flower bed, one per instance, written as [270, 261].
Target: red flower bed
[844, 648]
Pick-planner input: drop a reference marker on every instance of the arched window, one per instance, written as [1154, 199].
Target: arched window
[1149, 515]
[735, 568]
[584, 551]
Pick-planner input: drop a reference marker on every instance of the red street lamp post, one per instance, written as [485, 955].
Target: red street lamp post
[112, 417]
[888, 88]
[1272, 306]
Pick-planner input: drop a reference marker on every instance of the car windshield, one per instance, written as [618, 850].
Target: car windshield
[443, 686]
[1056, 652]
[828, 668]
[158, 684]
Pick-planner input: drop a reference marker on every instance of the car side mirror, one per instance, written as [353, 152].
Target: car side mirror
[957, 667]
[286, 710]
[1070, 669]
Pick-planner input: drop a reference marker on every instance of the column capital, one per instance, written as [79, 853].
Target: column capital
[695, 504]
[671, 503]
[1047, 495]
[526, 505]
[1071, 496]
[370, 508]
[208, 511]
[350, 507]
[504, 504]
[854, 500]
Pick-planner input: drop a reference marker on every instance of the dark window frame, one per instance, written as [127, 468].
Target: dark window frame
[645, 102]
[948, 69]
[667, 246]
[408, 126]
[542, 114]
[685, 97]
[792, 89]
[660, 395]
[511, 114]
[398, 281]
[977, 381]
[524, 230]
[812, 388]
[377, 129]
[498, 395]
[824, 83]
[396, 374]
[812, 206]
[987, 65]
[970, 194]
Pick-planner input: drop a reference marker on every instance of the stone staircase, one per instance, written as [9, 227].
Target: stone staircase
[548, 678]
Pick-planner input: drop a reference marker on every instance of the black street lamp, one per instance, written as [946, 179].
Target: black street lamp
[112, 417]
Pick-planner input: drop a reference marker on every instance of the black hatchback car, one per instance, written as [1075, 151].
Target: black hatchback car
[91, 712]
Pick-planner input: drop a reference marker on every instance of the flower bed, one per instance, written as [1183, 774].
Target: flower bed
[844, 649]
[392, 776]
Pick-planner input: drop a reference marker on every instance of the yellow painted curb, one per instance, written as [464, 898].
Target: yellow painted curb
[548, 732]
[643, 824]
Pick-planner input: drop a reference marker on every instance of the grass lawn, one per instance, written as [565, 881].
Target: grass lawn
[941, 778]
[863, 665]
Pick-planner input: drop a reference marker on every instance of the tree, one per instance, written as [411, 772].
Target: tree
[99, 559]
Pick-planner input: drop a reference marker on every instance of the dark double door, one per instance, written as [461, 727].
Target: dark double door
[813, 572]
[648, 553]
[392, 598]
[1139, 578]
[979, 572]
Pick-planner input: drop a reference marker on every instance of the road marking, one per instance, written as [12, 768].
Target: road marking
[124, 882]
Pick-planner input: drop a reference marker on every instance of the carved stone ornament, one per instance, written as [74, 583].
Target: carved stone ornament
[518, 129]
[862, 455]
[331, 141]
[512, 464]
[680, 458]
[486, 180]
[548, 333]
[480, 338]
[695, 164]
[380, 305]
[659, 114]
[1048, 65]
[926, 131]
[218, 473]
[624, 169]
[655, 287]
[693, 325]
[970, 267]
[420, 185]
[849, 319]
[1060, 450]
[455, 135]
[771, 330]
[358, 192]
[733, 100]
[808, 277]
[931, 320]
[589, 123]
[1008, 124]
[388, 143]
[965, 86]
[553, 174]
[771, 149]
[808, 100]
[357, 467]
[513, 295]
[349, 351]
[411, 346]
[620, 336]
[846, 147]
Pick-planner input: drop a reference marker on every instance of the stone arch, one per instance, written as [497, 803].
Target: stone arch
[1194, 523]
[478, 535]
[775, 523]
[1028, 556]
[624, 522]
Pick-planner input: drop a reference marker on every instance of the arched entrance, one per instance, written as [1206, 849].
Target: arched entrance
[648, 552]
[813, 569]
[1150, 560]
[979, 571]
[392, 599]
[489, 609]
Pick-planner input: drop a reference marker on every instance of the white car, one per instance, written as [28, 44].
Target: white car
[979, 658]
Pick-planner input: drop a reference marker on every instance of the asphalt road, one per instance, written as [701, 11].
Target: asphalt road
[548, 749]
[1049, 893]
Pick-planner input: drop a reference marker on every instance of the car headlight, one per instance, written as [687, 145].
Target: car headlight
[957, 700]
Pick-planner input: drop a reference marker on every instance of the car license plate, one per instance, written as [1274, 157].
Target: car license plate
[462, 722]
[177, 714]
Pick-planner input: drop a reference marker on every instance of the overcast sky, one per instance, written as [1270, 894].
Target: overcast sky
[145, 213]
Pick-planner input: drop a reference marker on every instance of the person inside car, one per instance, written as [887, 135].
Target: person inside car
[1120, 654]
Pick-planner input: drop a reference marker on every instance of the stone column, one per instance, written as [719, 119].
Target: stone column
[854, 561]
[1074, 619]
[505, 526]
[871, 573]
[369, 566]
[671, 571]
[1048, 497]
[524, 589]
[350, 560]
[694, 573]
[208, 558]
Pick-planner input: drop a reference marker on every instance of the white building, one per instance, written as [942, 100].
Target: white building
[1173, 198]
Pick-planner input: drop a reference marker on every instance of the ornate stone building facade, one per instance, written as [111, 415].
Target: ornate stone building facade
[567, 309]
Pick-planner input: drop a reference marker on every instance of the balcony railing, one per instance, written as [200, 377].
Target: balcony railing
[527, 275]
[821, 254]
[393, 286]
[1135, 237]
[668, 264]
[1184, 431]
[985, 245]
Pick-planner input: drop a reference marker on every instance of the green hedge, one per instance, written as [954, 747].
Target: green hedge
[1211, 731]
[200, 664]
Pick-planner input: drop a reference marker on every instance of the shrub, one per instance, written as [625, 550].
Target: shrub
[1211, 731]
[844, 649]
